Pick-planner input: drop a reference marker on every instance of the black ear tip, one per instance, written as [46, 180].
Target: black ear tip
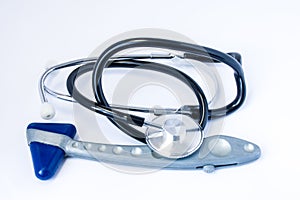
[236, 56]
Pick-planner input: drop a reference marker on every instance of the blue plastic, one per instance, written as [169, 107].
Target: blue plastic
[46, 158]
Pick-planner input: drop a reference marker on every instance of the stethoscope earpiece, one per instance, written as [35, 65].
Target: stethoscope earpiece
[47, 111]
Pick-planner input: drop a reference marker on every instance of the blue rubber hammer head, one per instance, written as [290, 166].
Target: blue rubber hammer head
[47, 158]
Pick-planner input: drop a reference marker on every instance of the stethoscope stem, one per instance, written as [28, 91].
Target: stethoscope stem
[153, 125]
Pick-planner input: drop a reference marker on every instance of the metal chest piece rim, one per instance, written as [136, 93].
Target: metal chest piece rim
[178, 137]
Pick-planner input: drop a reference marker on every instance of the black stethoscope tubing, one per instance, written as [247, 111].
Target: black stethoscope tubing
[202, 117]
[195, 52]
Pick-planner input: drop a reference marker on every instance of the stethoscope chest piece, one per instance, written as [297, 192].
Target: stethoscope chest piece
[176, 136]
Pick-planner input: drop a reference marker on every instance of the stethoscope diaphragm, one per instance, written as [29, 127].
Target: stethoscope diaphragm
[178, 137]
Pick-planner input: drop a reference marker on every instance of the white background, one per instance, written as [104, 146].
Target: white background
[266, 33]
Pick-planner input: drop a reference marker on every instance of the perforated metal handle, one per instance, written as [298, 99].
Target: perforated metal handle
[216, 151]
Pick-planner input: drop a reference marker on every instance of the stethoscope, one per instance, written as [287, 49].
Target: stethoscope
[122, 119]
[174, 133]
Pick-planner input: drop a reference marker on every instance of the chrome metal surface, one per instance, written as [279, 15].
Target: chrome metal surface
[179, 137]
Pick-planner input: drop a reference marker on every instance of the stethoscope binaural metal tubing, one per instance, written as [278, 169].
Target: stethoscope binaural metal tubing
[85, 61]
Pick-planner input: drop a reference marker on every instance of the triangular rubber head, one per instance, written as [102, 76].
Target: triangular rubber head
[47, 158]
